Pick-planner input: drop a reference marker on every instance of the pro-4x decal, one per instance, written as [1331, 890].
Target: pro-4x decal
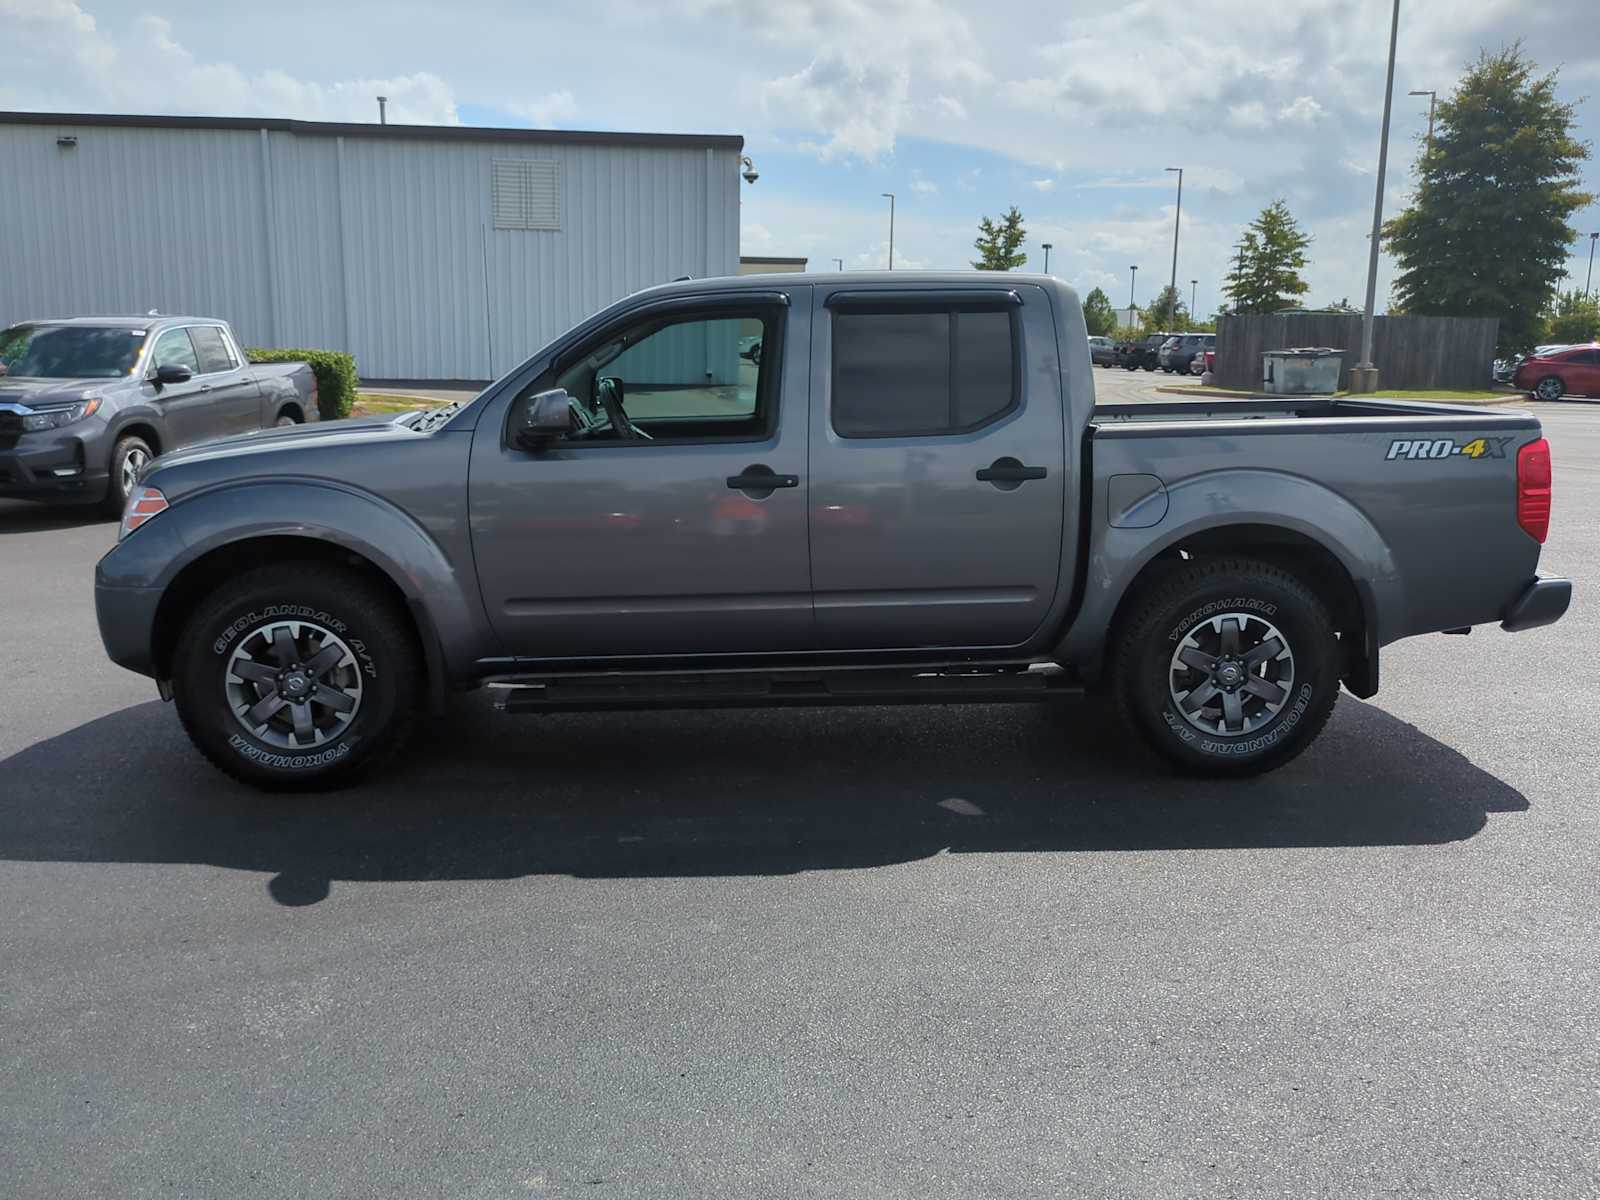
[1409, 448]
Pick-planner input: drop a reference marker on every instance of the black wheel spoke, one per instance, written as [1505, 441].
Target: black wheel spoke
[262, 709]
[1230, 637]
[1232, 712]
[283, 646]
[1266, 689]
[244, 668]
[1198, 659]
[325, 660]
[1199, 696]
[305, 729]
[1270, 648]
[333, 698]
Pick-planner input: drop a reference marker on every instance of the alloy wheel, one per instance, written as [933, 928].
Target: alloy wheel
[293, 684]
[1231, 674]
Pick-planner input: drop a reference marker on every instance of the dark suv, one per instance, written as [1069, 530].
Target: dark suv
[1145, 353]
[1180, 350]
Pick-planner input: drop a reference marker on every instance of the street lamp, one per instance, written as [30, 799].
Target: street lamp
[1133, 277]
[890, 196]
[840, 261]
[1047, 258]
[1364, 378]
[1589, 278]
[1194, 290]
[1432, 99]
[1176, 216]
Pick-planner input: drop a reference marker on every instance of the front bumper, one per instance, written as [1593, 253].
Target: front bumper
[1543, 602]
[127, 619]
[33, 467]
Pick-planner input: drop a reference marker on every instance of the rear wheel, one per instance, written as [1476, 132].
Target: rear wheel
[1549, 388]
[1228, 667]
[128, 458]
[297, 675]
[287, 418]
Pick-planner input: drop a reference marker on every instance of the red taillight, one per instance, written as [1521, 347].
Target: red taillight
[1533, 489]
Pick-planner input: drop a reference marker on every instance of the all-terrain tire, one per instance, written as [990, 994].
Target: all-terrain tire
[1189, 610]
[297, 611]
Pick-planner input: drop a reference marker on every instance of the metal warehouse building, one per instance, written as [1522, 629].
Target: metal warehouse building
[430, 252]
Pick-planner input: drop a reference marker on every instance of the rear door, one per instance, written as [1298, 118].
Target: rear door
[688, 537]
[937, 466]
[1583, 376]
[234, 394]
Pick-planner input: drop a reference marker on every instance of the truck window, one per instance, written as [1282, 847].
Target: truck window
[907, 374]
[212, 349]
[174, 349]
[690, 378]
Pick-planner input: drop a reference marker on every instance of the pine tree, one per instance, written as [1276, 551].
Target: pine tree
[1488, 232]
[1268, 260]
[997, 244]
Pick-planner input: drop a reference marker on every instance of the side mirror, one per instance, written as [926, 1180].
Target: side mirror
[173, 373]
[540, 419]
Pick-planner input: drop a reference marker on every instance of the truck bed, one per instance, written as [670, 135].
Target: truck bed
[1323, 408]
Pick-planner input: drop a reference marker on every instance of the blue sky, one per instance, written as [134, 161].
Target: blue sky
[1065, 110]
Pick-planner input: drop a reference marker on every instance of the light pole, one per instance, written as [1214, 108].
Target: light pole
[383, 110]
[1172, 314]
[840, 261]
[1364, 378]
[1133, 278]
[1589, 278]
[1433, 98]
[1047, 258]
[890, 196]
[1194, 290]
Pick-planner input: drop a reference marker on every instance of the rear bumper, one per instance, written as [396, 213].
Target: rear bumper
[1543, 602]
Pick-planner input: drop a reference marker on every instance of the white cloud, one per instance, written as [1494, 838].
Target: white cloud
[1303, 110]
[548, 110]
[920, 183]
[857, 103]
[950, 108]
[1042, 185]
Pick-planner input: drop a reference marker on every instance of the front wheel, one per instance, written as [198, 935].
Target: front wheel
[1549, 388]
[297, 675]
[128, 458]
[1229, 667]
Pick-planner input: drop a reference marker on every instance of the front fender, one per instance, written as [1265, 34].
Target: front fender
[1216, 500]
[442, 595]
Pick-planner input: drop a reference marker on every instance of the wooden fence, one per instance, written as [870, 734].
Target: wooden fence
[1409, 352]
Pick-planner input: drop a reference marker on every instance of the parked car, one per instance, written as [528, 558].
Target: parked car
[1567, 371]
[1102, 351]
[86, 403]
[1144, 353]
[564, 538]
[1177, 353]
[1202, 362]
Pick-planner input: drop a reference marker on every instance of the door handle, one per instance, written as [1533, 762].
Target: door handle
[205, 387]
[1008, 470]
[760, 478]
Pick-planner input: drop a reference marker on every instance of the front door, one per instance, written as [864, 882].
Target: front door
[938, 467]
[672, 520]
[186, 407]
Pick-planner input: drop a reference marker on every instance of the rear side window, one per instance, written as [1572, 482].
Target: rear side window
[921, 373]
[212, 349]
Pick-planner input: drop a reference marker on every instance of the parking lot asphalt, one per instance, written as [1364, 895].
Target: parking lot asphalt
[881, 952]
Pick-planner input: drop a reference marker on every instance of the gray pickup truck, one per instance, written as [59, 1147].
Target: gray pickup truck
[910, 497]
[86, 403]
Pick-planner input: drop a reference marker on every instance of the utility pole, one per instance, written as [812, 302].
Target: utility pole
[1047, 258]
[1133, 278]
[1194, 290]
[1432, 99]
[383, 115]
[1176, 217]
[840, 261]
[890, 196]
[1589, 278]
[1364, 378]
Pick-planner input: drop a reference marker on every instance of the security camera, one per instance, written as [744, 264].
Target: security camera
[750, 172]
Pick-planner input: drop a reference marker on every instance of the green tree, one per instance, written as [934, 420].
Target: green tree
[1487, 232]
[997, 244]
[1098, 314]
[1167, 312]
[1268, 260]
[1573, 318]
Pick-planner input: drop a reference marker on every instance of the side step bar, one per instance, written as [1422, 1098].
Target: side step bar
[783, 689]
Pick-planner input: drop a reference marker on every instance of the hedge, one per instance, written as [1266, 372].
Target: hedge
[337, 380]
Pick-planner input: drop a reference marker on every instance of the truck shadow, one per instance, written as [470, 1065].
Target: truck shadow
[724, 793]
[32, 516]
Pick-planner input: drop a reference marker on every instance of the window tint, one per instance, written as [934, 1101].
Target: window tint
[173, 349]
[212, 349]
[906, 373]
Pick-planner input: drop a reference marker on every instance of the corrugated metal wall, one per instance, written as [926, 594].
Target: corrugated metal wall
[383, 247]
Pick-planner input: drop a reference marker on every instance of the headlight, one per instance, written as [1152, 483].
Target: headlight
[55, 418]
[143, 503]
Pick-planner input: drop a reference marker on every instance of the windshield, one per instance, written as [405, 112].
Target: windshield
[70, 351]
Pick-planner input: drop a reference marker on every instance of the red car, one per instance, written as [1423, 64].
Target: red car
[1570, 371]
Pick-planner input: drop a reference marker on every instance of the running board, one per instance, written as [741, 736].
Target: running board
[781, 689]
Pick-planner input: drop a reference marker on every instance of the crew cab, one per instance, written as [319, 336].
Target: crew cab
[911, 497]
[85, 403]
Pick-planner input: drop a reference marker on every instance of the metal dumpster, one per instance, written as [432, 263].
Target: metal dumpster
[1305, 371]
